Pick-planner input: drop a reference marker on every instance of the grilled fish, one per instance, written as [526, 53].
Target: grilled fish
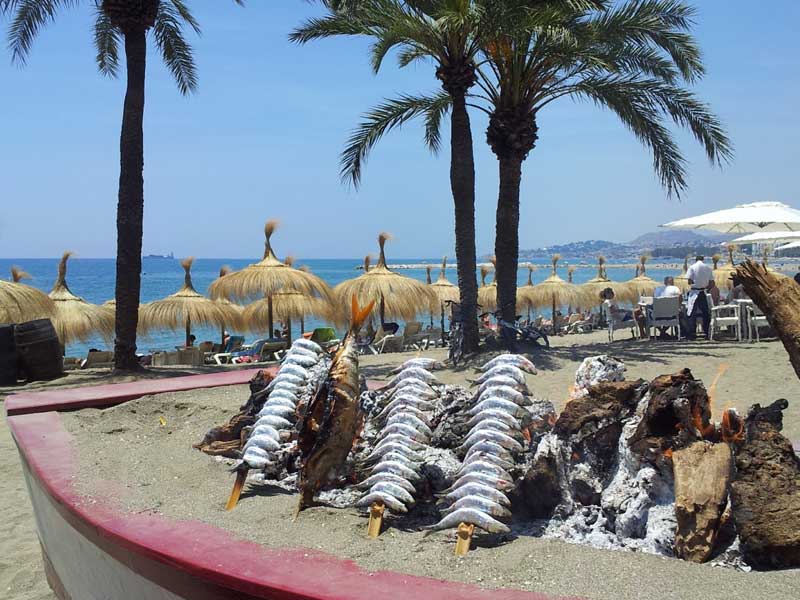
[429, 364]
[474, 516]
[333, 417]
[516, 360]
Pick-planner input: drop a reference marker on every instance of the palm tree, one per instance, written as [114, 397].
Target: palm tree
[121, 22]
[446, 32]
[631, 57]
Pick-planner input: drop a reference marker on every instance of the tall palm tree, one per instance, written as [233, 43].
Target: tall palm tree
[446, 32]
[633, 58]
[127, 23]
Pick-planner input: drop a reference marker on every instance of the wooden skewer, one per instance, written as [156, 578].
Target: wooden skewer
[464, 538]
[233, 500]
[375, 519]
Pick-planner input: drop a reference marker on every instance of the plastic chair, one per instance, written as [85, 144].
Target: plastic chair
[665, 312]
[755, 319]
[724, 316]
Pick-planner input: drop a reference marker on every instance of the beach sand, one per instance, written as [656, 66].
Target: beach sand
[756, 373]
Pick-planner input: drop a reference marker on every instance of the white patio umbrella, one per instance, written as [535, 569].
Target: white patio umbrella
[788, 246]
[767, 237]
[745, 218]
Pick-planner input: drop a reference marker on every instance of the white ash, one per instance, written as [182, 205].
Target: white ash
[597, 369]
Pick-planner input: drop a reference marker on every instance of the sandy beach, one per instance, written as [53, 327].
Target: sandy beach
[532, 563]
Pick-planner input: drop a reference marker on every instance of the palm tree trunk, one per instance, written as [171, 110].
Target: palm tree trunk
[506, 245]
[462, 184]
[130, 205]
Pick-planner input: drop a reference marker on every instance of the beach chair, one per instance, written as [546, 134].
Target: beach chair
[371, 344]
[664, 312]
[98, 359]
[235, 342]
[724, 316]
[251, 354]
[616, 325]
[413, 336]
[389, 343]
[755, 319]
[325, 337]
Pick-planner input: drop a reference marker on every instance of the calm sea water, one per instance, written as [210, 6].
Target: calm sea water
[93, 280]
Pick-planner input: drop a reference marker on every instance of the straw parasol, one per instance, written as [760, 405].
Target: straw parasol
[722, 275]
[553, 291]
[487, 293]
[73, 317]
[266, 278]
[681, 281]
[395, 295]
[592, 288]
[223, 271]
[20, 302]
[287, 305]
[522, 291]
[187, 307]
[641, 285]
[445, 291]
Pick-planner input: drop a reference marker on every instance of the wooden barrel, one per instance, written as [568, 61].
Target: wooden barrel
[8, 356]
[40, 355]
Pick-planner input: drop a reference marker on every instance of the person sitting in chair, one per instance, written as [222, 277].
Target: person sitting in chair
[620, 314]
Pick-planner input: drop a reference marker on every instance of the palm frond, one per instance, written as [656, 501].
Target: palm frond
[29, 18]
[175, 50]
[387, 116]
[107, 39]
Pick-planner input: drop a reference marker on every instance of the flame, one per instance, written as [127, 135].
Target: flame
[729, 434]
[712, 389]
[706, 431]
[668, 453]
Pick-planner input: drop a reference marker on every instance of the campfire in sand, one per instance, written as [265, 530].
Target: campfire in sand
[628, 465]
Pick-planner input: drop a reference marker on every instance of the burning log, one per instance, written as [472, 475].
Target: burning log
[765, 493]
[779, 299]
[702, 474]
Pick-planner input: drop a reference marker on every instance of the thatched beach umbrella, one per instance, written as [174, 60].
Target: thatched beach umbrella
[395, 295]
[554, 291]
[187, 307]
[487, 293]
[74, 318]
[20, 302]
[722, 275]
[522, 291]
[223, 271]
[590, 291]
[287, 305]
[681, 281]
[266, 278]
[445, 292]
[641, 285]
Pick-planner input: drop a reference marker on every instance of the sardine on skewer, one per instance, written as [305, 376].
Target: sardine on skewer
[474, 516]
[504, 371]
[516, 360]
[429, 364]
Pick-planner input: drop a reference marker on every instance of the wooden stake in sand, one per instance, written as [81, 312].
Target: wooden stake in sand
[464, 538]
[233, 500]
[375, 519]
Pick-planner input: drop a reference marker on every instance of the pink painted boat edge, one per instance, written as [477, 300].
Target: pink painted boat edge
[201, 555]
[99, 396]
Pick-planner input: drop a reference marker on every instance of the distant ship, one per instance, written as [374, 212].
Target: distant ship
[170, 256]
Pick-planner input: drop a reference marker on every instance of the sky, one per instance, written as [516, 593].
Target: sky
[261, 139]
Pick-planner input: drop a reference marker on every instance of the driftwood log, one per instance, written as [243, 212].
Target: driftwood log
[779, 299]
[702, 474]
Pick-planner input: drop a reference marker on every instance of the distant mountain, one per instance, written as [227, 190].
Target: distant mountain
[677, 237]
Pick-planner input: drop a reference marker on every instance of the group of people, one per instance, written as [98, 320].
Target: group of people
[702, 295]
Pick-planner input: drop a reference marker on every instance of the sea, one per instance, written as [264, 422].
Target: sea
[93, 280]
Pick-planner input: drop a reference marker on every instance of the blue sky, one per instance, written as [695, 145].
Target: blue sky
[262, 136]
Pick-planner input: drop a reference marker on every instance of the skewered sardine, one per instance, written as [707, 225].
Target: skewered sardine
[480, 503]
[412, 373]
[516, 360]
[502, 370]
[393, 503]
[474, 516]
[429, 364]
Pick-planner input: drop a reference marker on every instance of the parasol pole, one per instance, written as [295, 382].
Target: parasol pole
[270, 324]
[188, 330]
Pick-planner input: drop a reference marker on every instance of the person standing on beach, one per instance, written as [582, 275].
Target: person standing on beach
[699, 276]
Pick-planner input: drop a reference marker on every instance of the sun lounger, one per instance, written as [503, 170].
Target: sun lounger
[413, 336]
[98, 359]
[235, 342]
